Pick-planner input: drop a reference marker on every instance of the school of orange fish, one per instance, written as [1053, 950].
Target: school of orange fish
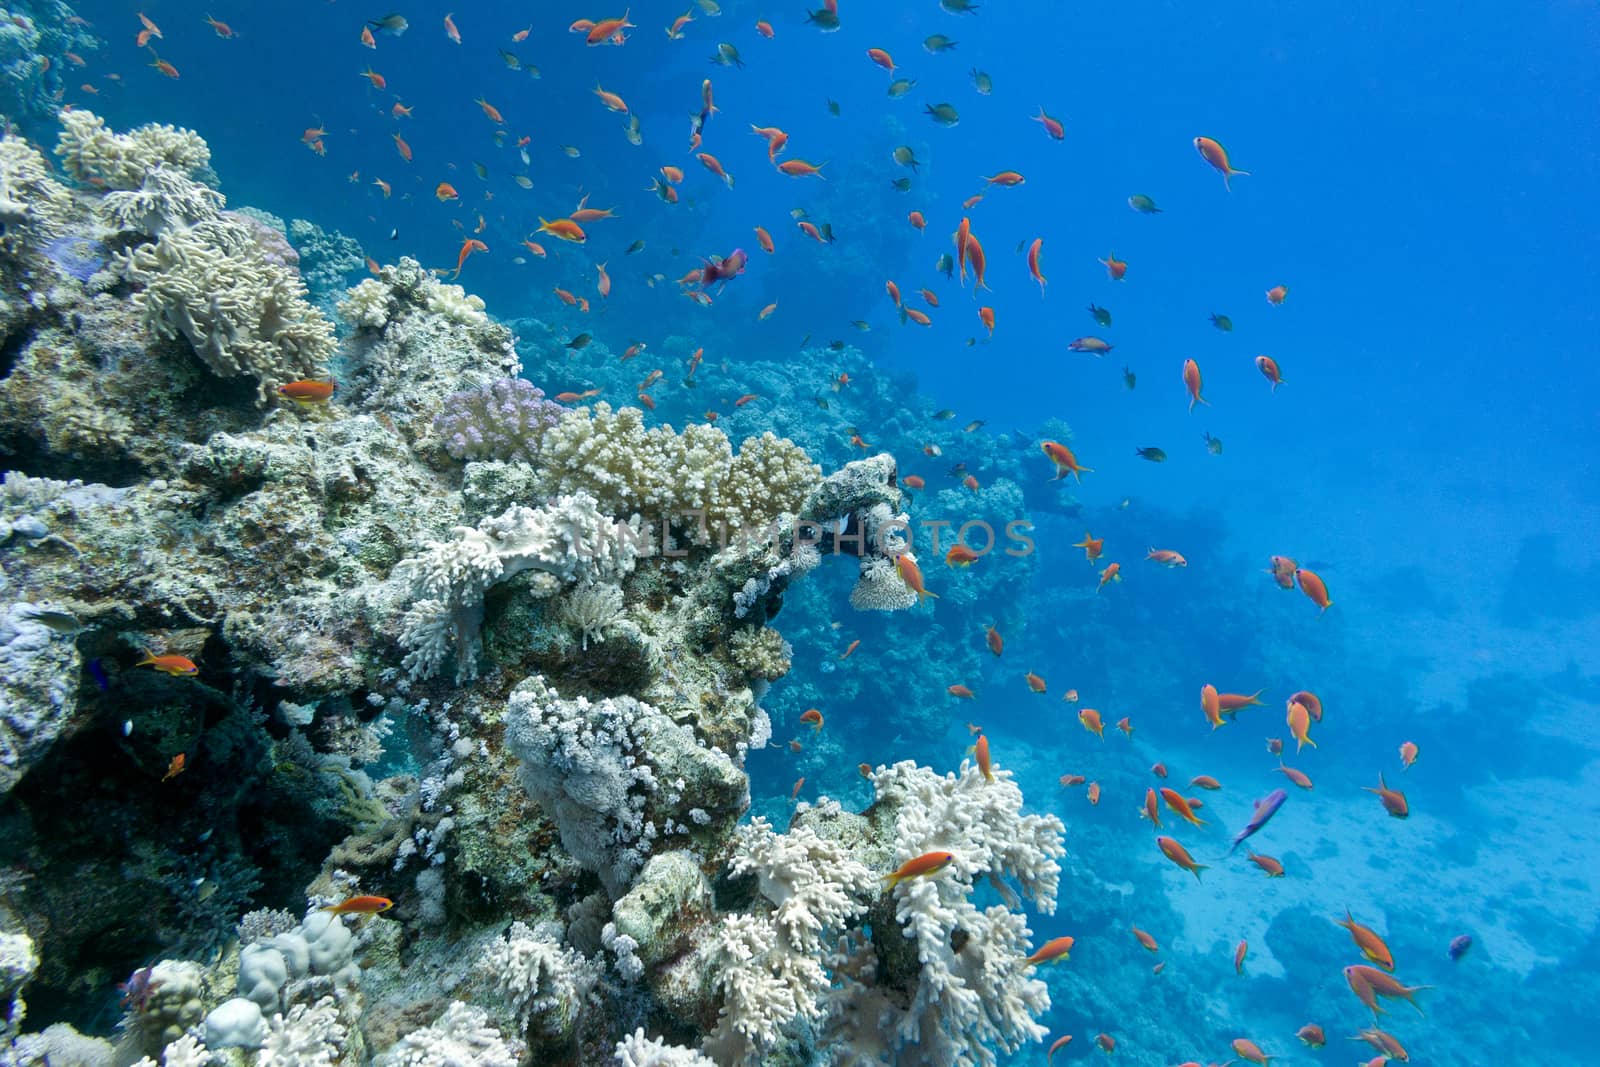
[1368, 981]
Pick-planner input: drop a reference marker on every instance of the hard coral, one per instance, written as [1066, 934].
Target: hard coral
[505, 420]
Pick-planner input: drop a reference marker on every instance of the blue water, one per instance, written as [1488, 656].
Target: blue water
[1422, 181]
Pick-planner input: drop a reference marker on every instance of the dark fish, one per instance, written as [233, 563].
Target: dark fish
[833, 108]
[532, 70]
[98, 673]
[938, 43]
[959, 469]
[826, 229]
[727, 56]
[61, 622]
[1101, 315]
[982, 82]
[1265, 810]
[1129, 378]
[901, 86]
[480, 170]
[946, 265]
[902, 185]
[973, 425]
[1222, 322]
[958, 7]
[944, 414]
[943, 114]
[510, 59]
[836, 346]
[1143, 204]
[1213, 444]
[822, 402]
[1154, 455]
[906, 157]
[580, 341]
[393, 25]
[1459, 946]
[861, 324]
[805, 340]
[637, 246]
[827, 21]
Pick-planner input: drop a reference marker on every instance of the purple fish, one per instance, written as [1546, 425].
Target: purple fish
[1459, 946]
[1266, 808]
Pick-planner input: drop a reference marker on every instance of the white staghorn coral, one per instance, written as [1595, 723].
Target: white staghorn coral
[636, 1050]
[568, 540]
[543, 983]
[462, 1037]
[970, 994]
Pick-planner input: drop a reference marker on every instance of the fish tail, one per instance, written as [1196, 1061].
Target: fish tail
[1197, 868]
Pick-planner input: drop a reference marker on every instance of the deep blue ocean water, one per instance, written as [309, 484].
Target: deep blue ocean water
[1422, 179]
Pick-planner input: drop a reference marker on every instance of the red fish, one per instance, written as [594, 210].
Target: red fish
[1312, 585]
[1269, 370]
[1214, 154]
[1191, 382]
[929, 863]
[1051, 126]
[1052, 951]
[173, 665]
[363, 905]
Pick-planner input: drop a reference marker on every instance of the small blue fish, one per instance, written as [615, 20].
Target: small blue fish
[1459, 946]
[1265, 810]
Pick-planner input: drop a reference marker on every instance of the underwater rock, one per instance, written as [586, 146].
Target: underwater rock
[666, 906]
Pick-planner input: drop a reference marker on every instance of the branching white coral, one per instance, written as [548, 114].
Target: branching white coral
[540, 980]
[590, 608]
[210, 284]
[636, 1050]
[567, 539]
[310, 1035]
[119, 160]
[462, 1037]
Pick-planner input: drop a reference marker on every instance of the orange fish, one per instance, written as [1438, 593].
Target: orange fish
[971, 482]
[993, 639]
[798, 785]
[881, 58]
[1180, 856]
[565, 229]
[492, 112]
[1115, 267]
[1125, 725]
[1282, 571]
[986, 316]
[1167, 557]
[919, 317]
[1299, 778]
[1312, 1035]
[1214, 154]
[811, 231]
[1211, 704]
[864, 769]
[961, 246]
[610, 29]
[1072, 779]
[359, 906]
[1112, 573]
[764, 28]
[976, 257]
[1312, 585]
[469, 246]
[1276, 295]
[1230, 703]
[960, 691]
[450, 30]
[1182, 807]
[164, 67]
[1055, 1046]
[917, 221]
[775, 137]
[960, 556]
[711, 163]
[911, 574]
[1145, 939]
[812, 718]
[1051, 126]
[674, 175]
[1269, 864]
[367, 38]
[1006, 178]
[675, 31]
[175, 766]
[372, 76]
[1299, 720]
[1394, 801]
[794, 746]
[1408, 754]
[930, 297]
[1035, 683]
[1368, 983]
[913, 481]
[1238, 968]
[764, 239]
[445, 191]
[971, 202]
[853, 646]
[401, 147]
[306, 391]
[1066, 463]
[1248, 1050]
[1094, 794]
[612, 101]
[1091, 546]
[929, 863]
[1269, 370]
[565, 297]
[1367, 940]
[980, 751]
[1204, 781]
[768, 310]
[893, 290]
[173, 665]
[1152, 809]
[799, 168]
[522, 34]
[1191, 382]
[1090, 718]
[535, 247]
[1033, 263]
[1106, 1042]
[222, 29]
[1052, 951]
[1158, 769]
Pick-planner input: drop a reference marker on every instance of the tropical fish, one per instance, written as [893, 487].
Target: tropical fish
[1051, 126]
[1091, 546]
[1214, 154]
[1129, 379]
[1269, 864]
[1394, 801]
[1095, 345]
[1312, 1035]
[938, 43]
[1066, 463]
[1213, 444]
[1053, 951]
[362, 905]
[170, 664]
[911, 574]
[1459, 946]
[812, 717]
[982, 82]
[1265, 809]
[906, 157]
[175, 766]
[1276, 295]
[1116, 269]
[1143, 204]
[1269, 370]
[1154, 455]
[944, 114]
[1179, 855]
[1102, 317]
[929, 863]
[1312, 585]
[901, 86]
[1191, 383]
[393, 25]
